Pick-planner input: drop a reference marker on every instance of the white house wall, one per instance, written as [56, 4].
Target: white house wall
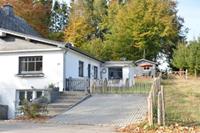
[128, 73]
[10, 81]
[72, 59]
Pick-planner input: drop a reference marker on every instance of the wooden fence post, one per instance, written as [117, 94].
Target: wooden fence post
[159, 109]
[163, 105]
[150, 110]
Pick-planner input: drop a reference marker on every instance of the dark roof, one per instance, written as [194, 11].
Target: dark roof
[8, 20]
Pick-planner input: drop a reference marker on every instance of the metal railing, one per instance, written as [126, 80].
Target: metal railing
[75, 84]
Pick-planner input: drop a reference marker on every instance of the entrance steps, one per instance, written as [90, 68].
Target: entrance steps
[66, 101]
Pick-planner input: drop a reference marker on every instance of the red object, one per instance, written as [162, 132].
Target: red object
[145, 65]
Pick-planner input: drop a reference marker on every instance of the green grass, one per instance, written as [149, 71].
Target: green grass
[140, 87]
[182, 101]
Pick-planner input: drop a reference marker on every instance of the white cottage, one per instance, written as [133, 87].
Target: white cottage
[30, 64]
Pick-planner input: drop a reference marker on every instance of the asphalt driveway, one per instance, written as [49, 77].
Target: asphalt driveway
[112, 110]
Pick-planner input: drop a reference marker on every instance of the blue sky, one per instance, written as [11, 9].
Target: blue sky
[190, 11]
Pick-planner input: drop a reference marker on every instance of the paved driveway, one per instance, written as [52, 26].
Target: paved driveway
[112, 110]
[29, 127]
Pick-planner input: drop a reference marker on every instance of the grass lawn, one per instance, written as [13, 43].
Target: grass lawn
[182, 101]
[140, 87]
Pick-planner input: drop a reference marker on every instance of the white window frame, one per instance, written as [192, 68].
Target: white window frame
[26, 60]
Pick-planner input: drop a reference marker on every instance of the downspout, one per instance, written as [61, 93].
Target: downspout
[66, 49]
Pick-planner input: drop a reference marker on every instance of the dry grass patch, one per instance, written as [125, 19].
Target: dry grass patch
[182, 100]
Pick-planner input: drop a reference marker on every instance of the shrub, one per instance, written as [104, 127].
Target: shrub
[34, 109]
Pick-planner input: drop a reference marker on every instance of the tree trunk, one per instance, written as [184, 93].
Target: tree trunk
[195, 72]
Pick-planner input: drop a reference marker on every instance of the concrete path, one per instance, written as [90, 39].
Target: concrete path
[113, 110]
[28, 127]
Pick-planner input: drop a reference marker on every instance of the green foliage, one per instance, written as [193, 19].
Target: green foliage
[180, 56]
[188, 57]
[194, 56]
[57, 36]
[149, 25]
[125, 29]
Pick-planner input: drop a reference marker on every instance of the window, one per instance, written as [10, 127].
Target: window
[21, 97]
[31, 64]
[80, 69]
[146, 68]
[39, 94]
[115, 73]
[28, 95]
[95, 72]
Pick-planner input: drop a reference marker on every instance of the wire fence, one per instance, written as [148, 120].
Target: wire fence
[137, 88]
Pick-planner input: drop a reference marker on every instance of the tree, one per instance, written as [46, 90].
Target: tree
[194, 57]
[85, 16]
[180, 56]
[147, 25]
[78, 30]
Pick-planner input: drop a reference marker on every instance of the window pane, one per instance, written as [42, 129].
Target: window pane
[81, 68]
[95, 72]
[31, 66]
[21, 97]
[38, 66]
[29, 95]
[115, 73]
[39, 58]
[39, 94]
[23, 66]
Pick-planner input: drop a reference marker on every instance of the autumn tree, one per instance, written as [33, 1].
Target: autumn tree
[84, 20]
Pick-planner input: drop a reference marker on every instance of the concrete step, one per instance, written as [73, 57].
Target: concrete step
[60, 105]
[50, 109]
[71, 97]
[73, 93]
[67, 100]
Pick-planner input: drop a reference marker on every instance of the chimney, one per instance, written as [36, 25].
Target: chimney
[8, 10]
